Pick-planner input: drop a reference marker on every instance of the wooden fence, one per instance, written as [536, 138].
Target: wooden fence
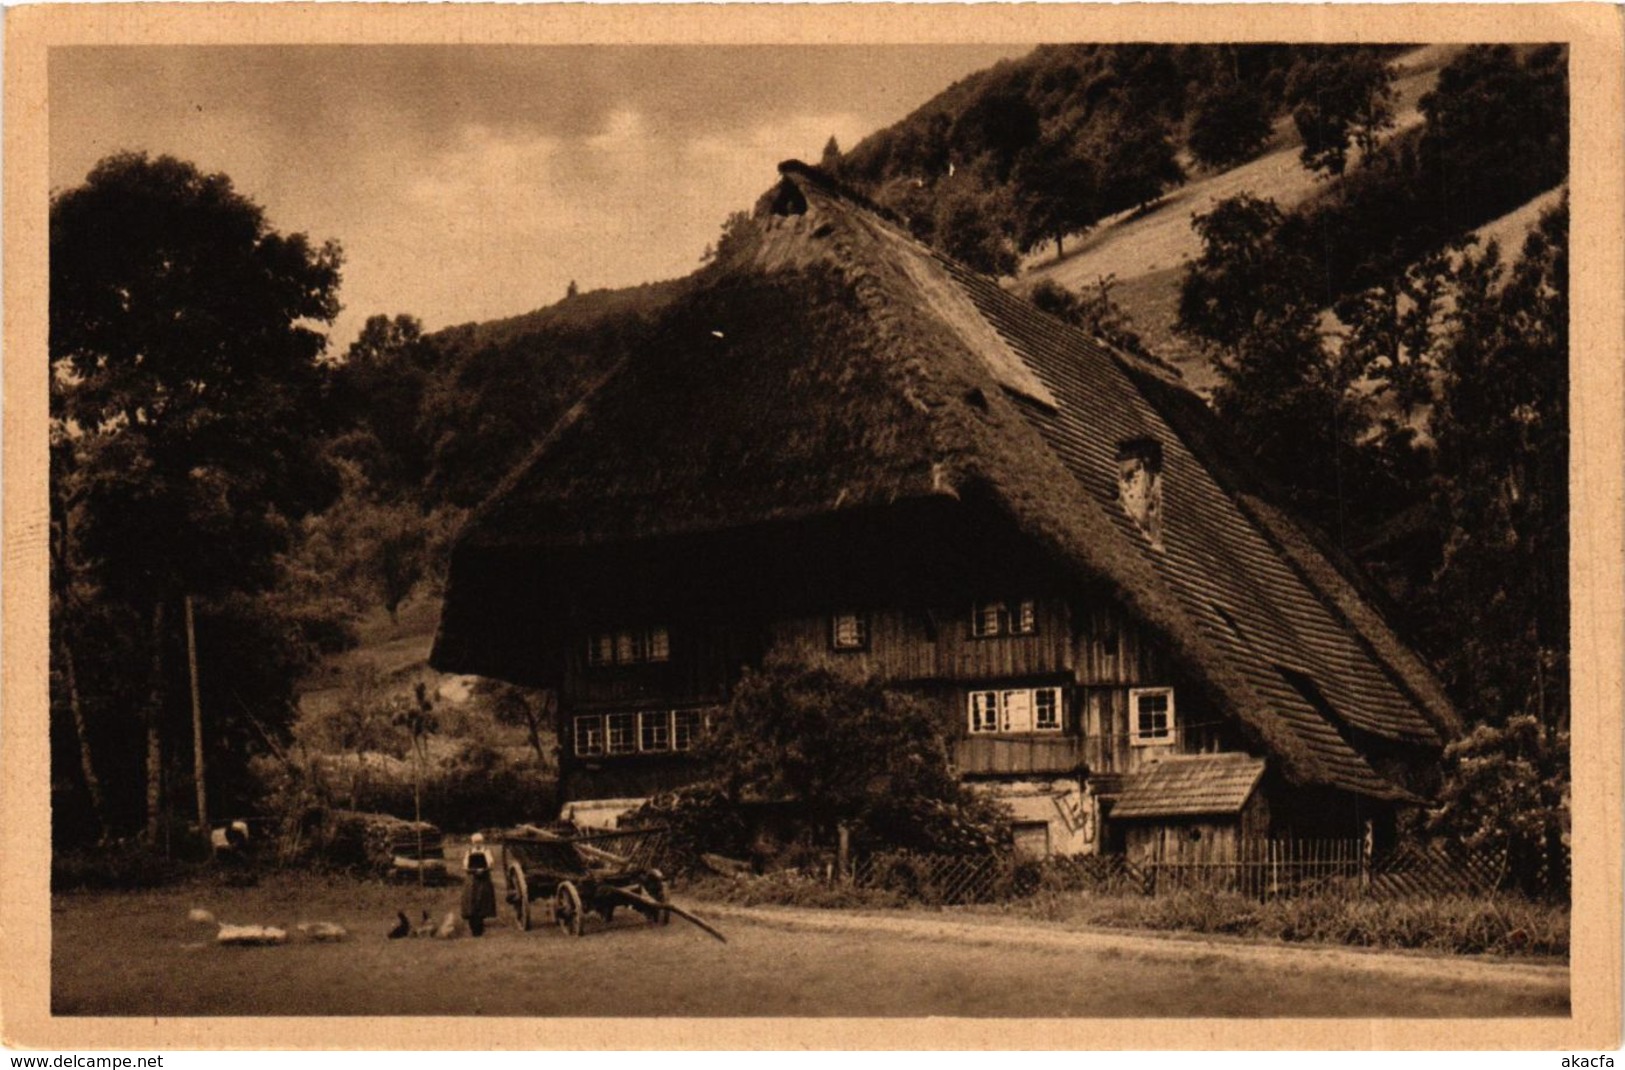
[1263, 869]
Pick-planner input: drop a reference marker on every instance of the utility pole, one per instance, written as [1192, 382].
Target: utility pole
[197, 726]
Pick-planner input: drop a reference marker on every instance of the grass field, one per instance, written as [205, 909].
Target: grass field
[136, 953]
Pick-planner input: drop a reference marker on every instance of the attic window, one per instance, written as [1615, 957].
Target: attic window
[991, 619]
[629, 646]
[1139, 485]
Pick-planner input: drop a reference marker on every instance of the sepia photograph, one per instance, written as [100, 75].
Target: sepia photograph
[1015, 526]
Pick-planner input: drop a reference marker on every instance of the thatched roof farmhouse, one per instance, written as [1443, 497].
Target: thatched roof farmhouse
[845, 447]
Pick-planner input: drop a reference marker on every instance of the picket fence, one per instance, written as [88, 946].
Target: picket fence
[1262, 869]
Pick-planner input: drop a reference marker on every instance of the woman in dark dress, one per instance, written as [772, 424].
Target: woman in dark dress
[479, 897]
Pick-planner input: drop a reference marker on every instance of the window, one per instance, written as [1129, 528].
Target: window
[849, 631]
[620, 733]
[644, 732]
[589, 735]
[1016, 710]
[654, 731]
[989, 619]
[629, 646]
[1153, 711]
[685, 728]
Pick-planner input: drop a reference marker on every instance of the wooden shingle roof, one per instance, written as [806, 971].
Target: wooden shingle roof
[1189, 786]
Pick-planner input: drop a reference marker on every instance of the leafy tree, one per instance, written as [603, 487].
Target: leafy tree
[969, 226]
[533, 710]
[1057, 192]
[1502, 502]
[1230, 122]
[1497, 130]
[997, 126]
[848, 750]
[1288, 400]
[186, 373]
[1344, 100]
[1139, 162]
[380, 385]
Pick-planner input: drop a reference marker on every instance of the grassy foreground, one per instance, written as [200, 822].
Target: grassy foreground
[1453, 924]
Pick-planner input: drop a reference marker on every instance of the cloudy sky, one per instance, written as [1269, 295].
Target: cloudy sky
[472, 182]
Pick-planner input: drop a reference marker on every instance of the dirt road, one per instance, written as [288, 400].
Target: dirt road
[136, 954]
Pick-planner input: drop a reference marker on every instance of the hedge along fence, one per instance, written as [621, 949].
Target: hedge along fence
[1266, 869]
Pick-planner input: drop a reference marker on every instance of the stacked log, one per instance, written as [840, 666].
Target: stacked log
[384, 844]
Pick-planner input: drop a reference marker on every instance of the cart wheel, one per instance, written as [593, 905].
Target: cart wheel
[519, 897]
[656, 888]
[567, 908]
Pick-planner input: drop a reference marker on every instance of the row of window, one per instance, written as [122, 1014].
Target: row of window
[847, 631]
[850, 631]
[1006, 711]
[1039, 709]
[645, 732]
[629, 646]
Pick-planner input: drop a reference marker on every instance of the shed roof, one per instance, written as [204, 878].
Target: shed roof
[1187, 786]
[829, 361]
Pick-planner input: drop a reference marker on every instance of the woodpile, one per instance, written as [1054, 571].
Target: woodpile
[384, 844]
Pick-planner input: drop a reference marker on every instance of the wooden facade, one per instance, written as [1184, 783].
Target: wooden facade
[1092, 654]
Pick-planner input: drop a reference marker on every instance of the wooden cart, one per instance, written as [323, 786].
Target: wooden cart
[570, 875]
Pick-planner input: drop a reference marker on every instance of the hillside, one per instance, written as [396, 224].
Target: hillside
[1146, 250]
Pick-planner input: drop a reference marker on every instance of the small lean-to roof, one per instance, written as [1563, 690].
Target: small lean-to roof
[1190, 786]
[828, 361]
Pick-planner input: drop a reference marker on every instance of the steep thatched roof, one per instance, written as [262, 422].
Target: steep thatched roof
[828, 362]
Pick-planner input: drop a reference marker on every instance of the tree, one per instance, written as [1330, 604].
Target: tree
[380, 386]
[1056, 192]
[830, 159]
[1497, 129]
[1139, 162]
[969, 225]
[1501, 500]
[1288, 400]
[1230, 122]
[848, 750]
[531, 709]
[186, 374]
[1344, 99]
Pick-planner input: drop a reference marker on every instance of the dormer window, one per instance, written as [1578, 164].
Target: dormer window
[629, 646]
[1139, 485]
[990, 619]
[849, 631]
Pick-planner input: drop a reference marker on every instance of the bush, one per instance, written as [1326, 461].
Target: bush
[124, 866]
[790, 888]
[833, 749]
[1452, 924]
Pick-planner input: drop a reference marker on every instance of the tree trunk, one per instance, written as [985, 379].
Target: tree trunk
[198, 765]
[1060, 251]
[93, 783]
[154, 717]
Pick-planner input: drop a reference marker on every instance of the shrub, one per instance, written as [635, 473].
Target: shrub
[791, 888]
[125, 865]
